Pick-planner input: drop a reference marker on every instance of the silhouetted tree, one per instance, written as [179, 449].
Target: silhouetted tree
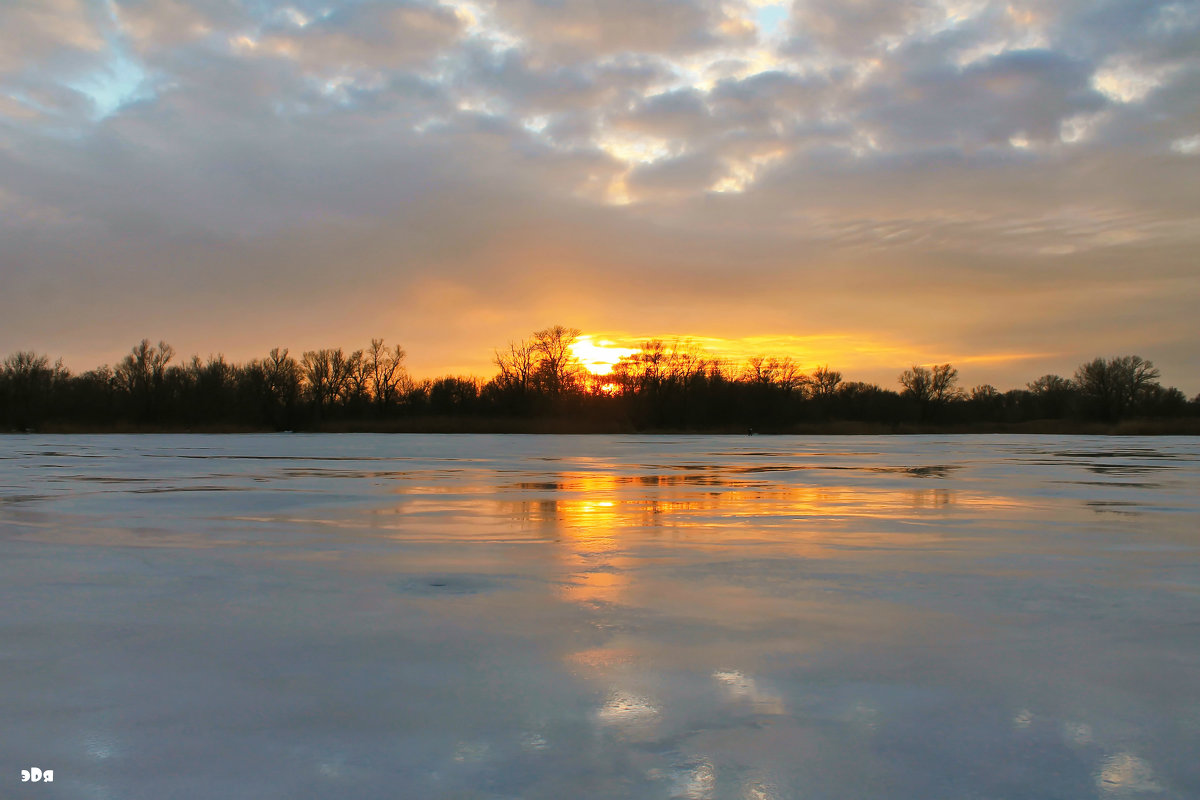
[857, 400]
[1052, 396]
[558, 369]
[272, 386]
[918, 383]
[1112, 388]
[643, 371]
[773, 384]
[1050, 383]
[327, 375]
[930, 387]
[28, 386]
[141, 374]
[453, 395]
[1159, 401]
[386, 374]
[986, 403]
[206, 389]
[945, 380]
[985, 393]
[824, 382]
[660, 386]
[517, 366]
[283, 378]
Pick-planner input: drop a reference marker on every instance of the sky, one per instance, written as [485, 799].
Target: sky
[1012, 187]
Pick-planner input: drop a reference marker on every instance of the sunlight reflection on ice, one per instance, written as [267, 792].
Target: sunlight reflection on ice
[1123, 774]
[1077, 733]
[693, 780]
[756, 790]
[100, 746]
[533, 742]
[739, 686]
[623, 709]
[472, 752]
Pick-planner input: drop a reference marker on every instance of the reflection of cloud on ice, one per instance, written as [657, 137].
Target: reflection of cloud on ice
[100, 746]
[602, 659]
[471, 752]
[756, 790]
[865, 714]
[1077, 733]
[626, 710]
[1124, 774]
[533, 742]
[740, 686]
[694, 780]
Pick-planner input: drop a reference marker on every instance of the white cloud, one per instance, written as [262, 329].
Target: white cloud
[1188, 145]
[1125, 81]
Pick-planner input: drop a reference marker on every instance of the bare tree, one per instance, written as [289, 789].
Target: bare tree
[517, 365]
[644, 370]
[28, 383]
[824, 382]
[772, 371]
[358, 378]
[283, 375]
[141, 373]
[758, 370]
[1115, 386]
[558, 369]
[325, 375]
[1049, 384]
[918, 383]
[684, 361]
[930, 386]
[786, 374]
[944, 384]
[985, 393]
[386, 373]
[29, 369]
[346, 375]
[142, 370]
[275, 382]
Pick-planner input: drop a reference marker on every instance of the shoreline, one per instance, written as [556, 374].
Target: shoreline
[1189, 426]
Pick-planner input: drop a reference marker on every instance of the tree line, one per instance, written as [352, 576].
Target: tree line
[662, 386]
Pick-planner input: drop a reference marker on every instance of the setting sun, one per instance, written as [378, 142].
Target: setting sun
[599, 357]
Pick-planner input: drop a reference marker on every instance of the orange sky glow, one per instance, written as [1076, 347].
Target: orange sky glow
[600, 352]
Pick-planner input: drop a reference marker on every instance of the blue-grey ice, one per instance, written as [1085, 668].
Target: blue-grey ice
[766, 618]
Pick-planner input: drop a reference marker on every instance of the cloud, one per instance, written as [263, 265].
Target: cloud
[853, 26]
[48, 32]
[680, 114]
[584, 28]
[1027, 93]
[159, 25]
[367, 35]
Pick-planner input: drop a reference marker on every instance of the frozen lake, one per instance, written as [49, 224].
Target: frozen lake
[306, 616]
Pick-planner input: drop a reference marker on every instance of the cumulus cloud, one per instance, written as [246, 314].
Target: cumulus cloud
[47, 33]
[584, 28]
[370, 35]
[1026, 94]
[853, 26]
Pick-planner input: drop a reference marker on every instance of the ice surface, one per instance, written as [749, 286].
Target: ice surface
[303, 616]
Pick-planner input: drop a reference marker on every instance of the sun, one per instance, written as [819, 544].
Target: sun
[599, 356]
